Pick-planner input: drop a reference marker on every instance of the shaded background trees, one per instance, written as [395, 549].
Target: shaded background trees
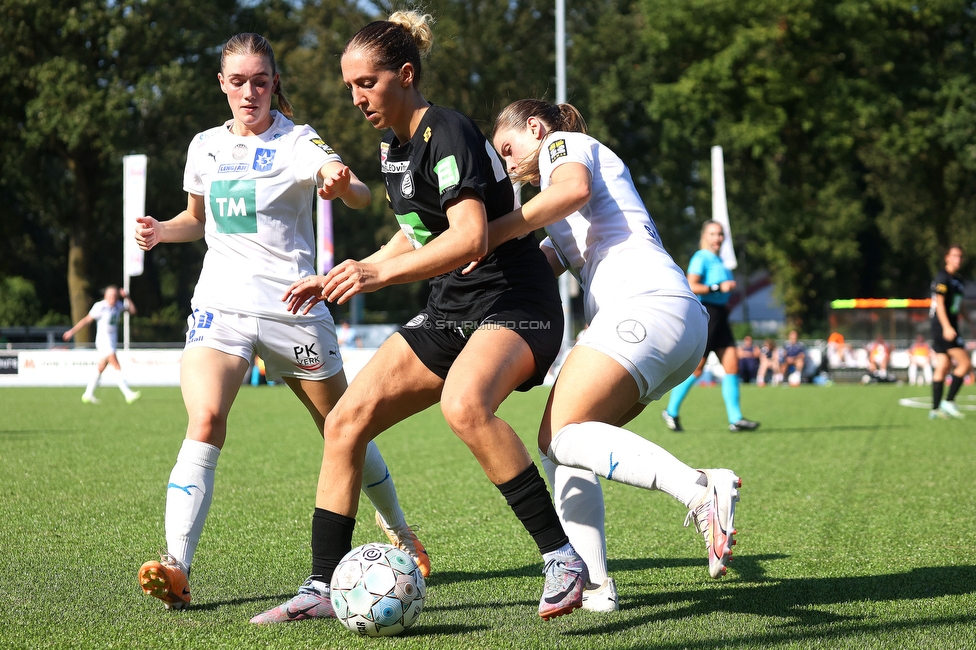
[847, 129]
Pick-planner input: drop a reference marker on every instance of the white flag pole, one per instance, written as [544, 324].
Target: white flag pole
[720, 209]
[133, 207]
[566, 279]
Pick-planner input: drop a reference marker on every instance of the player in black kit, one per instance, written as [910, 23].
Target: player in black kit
[947, 293]
[481, 335]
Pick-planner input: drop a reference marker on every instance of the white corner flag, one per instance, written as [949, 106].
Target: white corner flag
[720, 210]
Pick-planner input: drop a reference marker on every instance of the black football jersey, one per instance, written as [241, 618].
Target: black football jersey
[951, 288]
[448, 154]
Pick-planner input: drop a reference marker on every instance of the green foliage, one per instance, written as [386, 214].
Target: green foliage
[18, 302]
[165, 324]
[846, 132]
[842, 528]
[86, 84]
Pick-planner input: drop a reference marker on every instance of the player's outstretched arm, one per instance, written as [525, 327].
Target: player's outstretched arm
[127, 302]
[304, 294]
[186, 226]
[336, 181]
[77, 326]
[569, 191]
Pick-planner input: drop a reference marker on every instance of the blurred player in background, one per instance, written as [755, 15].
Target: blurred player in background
[950, 349]
[646, 333]
[480, 336]
[249, 193]
[106, 314]
[713, 284]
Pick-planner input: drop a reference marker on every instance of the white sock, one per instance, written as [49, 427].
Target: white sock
[188, 497]
[620, 455]
[379, 488]
[124, 387]
[93, 384]
[565, 549]
[578, 499]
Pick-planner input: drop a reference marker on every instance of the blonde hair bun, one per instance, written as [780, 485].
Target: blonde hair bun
[418, 25]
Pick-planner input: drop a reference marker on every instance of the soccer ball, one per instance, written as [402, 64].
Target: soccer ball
[377, 590]
[794, 379]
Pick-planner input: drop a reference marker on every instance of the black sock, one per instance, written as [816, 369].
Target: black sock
[954, 387]
[937, 393]
[331, 539]
[528, 497]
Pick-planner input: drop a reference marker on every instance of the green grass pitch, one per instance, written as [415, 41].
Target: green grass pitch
[856, 528]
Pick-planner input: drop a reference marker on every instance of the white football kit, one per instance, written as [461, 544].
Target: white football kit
[637, 301]
[258, 196]
[106, 325]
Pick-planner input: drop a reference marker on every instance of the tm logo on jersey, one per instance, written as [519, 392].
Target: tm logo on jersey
[306, 357]
[263, 160]
[234, 207]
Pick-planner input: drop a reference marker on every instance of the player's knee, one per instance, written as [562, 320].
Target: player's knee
[465, 414]
[207, 426]
[342, 427]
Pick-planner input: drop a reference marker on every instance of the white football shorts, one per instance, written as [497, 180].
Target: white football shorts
[658, 339]
[304, 350]
[105, 346]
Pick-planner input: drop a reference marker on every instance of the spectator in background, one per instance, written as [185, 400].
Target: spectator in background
[348, 336]
[748, 360]
[920, 357]
[792, 357]
[839, 352]
[767, 364]
[105, 314]
[878, 354]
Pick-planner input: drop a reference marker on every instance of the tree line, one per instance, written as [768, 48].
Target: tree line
[847, 128]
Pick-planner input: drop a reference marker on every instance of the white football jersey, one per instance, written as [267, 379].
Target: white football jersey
[611, 245]
[106, 324]
[258, 196]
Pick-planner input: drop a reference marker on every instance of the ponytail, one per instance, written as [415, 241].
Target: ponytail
[556, 117]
